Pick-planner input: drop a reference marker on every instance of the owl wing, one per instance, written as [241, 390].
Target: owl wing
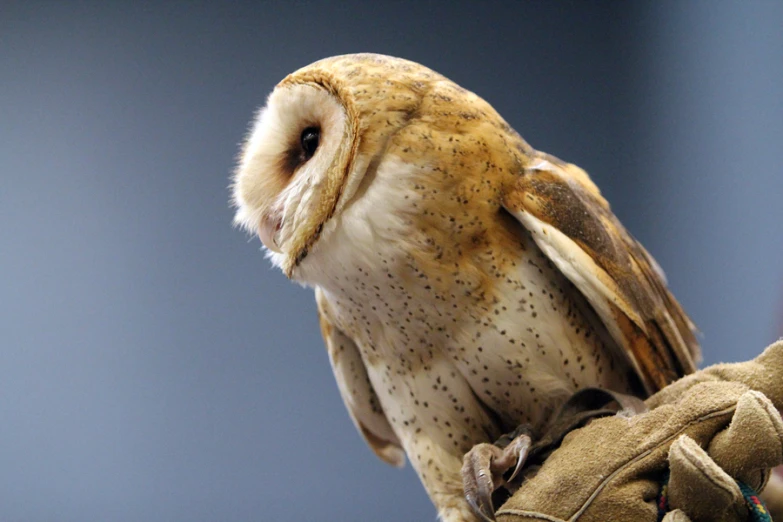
[573, 225]
[357, 391]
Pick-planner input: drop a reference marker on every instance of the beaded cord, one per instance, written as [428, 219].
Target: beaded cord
[758, 511]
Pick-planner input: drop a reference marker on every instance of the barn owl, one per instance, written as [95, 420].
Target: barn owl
[465, 282]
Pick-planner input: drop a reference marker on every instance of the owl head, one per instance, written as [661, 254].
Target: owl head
[322, 132]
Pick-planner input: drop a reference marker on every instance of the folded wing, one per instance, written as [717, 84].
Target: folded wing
[573, 225]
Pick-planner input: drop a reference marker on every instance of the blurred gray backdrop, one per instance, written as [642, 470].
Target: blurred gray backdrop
[154, 367]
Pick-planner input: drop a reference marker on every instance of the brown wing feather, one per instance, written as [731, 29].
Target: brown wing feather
[575, 227]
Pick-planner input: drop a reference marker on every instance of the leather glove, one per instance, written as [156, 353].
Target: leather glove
[710, 433]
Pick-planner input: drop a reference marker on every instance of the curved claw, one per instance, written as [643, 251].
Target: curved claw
[486, 511]
[477, 480]
[483, 468]
[519, 447]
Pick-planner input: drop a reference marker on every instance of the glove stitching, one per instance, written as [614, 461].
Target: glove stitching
[645, 454]
[635, 460]
[772, 416]
[529, 514]
[730, 486]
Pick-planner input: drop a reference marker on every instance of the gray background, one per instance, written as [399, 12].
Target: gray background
[154, 367]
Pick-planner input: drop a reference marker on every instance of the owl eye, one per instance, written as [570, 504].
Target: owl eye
[309, 141]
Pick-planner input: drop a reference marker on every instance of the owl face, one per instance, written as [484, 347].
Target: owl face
[287, 168]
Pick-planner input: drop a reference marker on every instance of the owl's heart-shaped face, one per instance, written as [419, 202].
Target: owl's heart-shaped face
[286, 169]
[321, 130]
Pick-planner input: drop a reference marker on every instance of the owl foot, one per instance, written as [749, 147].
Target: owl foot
[484, 466]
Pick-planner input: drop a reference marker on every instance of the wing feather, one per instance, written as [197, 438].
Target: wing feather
[573, 225]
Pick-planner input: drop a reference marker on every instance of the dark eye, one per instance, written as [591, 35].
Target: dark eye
[309, 140]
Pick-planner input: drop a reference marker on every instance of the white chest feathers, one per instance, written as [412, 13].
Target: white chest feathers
[518, 356]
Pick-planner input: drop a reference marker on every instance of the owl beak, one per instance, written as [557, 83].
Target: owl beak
[267, 232]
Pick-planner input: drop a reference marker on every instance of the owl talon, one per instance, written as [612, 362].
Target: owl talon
[478, 480]
[483, 468]
[518, 447]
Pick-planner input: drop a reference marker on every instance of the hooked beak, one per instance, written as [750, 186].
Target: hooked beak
[267, 232]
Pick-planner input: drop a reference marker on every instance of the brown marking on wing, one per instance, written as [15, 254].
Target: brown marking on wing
[657, 366]
[656, 329]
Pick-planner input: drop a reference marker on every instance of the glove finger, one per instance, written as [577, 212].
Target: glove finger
[764, 373]
[753, 442]
[676, 516]
[699, 487]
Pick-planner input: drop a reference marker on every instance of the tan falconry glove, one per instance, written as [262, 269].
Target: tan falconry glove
[709, 433]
